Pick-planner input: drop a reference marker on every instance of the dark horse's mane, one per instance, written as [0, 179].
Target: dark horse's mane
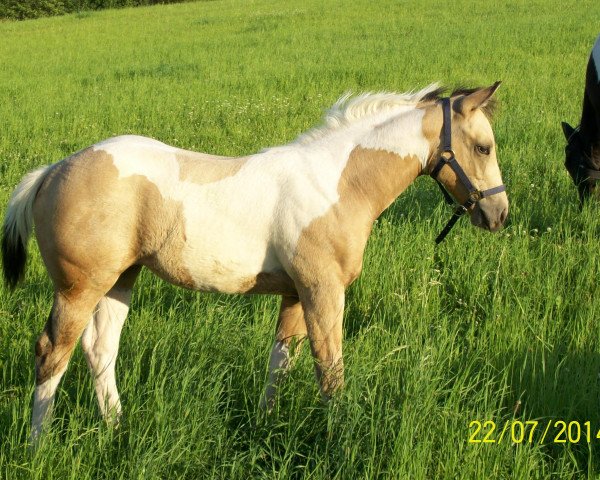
[590, 113]
[488, 109]
[589, 125]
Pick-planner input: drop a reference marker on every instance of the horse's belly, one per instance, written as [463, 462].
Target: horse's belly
[274, 282]
[215, 260]
[222, 270]
[221, 273]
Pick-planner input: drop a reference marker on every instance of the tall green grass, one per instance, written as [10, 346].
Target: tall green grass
[484, 327]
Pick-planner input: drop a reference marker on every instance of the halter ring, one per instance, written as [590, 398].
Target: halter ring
[475, 196]
[450, 154]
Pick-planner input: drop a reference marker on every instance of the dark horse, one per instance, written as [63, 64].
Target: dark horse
[583, 143]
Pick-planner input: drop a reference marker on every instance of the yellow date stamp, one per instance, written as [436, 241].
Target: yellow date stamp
[532, 432]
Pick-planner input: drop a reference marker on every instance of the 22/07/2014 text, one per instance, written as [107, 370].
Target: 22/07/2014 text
[532, 432]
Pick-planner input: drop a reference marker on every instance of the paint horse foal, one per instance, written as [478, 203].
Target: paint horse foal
[583, 143]
[292, 220]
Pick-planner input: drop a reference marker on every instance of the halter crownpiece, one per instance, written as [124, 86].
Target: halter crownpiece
[447, 157]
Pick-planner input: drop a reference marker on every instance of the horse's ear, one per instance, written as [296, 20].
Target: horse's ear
[568, 130]
[477, 99]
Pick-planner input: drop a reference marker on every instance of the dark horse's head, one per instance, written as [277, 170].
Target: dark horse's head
[583, 143]
[582, 161]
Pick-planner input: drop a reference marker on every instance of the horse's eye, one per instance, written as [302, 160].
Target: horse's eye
[482, 150]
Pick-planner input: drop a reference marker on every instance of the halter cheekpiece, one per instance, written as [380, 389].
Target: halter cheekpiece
[447, 157]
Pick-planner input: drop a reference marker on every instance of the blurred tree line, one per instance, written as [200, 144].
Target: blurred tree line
[23, 9]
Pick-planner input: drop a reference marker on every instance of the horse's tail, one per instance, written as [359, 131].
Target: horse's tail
[17, 226]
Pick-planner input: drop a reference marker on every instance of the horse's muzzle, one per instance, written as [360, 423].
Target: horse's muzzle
[489, 217]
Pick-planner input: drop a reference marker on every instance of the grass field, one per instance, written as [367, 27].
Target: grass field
[485, 327]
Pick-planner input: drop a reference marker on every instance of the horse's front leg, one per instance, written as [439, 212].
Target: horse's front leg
[291, 332]
[323, 304]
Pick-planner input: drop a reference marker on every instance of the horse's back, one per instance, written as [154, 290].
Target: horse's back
[137, 155]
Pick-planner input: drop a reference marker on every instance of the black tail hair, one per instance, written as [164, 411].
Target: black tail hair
[14, 258]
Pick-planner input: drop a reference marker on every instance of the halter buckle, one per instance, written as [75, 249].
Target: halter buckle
[460, 210]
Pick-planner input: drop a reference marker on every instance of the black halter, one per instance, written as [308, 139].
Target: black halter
[447, 157]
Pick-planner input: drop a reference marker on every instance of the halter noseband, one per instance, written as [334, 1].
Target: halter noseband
[447, 157]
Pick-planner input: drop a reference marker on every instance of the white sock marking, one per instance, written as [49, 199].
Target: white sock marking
[100, 343]
[42, 405]
[278, 366]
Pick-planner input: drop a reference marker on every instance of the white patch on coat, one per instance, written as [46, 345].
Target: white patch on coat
[403, 141]
[250, 222]
[596, 57]
[100, 343]
[235, 225]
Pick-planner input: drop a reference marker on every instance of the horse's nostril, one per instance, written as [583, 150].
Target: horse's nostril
[503, 215]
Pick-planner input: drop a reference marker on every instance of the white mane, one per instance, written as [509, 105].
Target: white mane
[349, 109]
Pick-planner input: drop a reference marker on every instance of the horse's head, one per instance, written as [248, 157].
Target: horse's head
[579, 162]
[474, 150]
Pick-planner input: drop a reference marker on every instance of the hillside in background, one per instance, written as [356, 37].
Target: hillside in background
[21, 10]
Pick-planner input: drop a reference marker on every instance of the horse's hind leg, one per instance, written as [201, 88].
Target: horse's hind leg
[100, 342]
[291, 331]
[70, 314]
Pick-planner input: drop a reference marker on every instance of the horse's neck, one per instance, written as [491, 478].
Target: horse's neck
[590, 113]
[387, 159]
[590, 124]
[374, 178]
